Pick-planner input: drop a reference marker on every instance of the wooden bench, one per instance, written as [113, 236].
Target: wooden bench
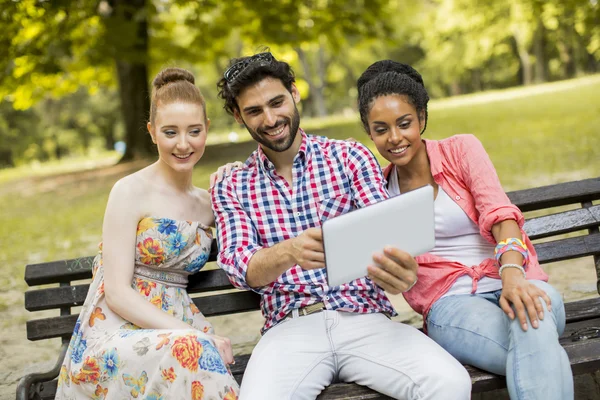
[580, 339]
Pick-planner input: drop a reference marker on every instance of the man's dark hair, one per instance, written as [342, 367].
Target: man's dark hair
[388, 77]
[246, 71]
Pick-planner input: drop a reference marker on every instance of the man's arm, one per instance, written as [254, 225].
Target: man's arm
[248, 264]
[269, 263]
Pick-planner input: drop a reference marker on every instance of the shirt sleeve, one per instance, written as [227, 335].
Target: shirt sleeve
[236, 235]
[479, 174]
[367, 182]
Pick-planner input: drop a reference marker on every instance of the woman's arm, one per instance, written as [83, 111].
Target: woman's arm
[118, 252]
[516, 290]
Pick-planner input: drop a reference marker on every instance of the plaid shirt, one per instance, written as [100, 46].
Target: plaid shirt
[256, 208]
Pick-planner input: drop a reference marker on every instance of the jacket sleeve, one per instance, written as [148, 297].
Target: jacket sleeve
[479, 174]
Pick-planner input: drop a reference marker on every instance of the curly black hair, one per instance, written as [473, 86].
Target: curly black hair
[250, 73]
[387, 77]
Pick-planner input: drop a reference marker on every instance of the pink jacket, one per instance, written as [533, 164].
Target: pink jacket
[461, 166]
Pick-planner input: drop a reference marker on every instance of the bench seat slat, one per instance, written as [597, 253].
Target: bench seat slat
[556, 224]
[556, 195]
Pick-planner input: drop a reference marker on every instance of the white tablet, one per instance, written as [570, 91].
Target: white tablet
[405, 221]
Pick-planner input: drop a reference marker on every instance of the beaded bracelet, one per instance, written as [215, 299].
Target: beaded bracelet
[511, 244]
[512, 266]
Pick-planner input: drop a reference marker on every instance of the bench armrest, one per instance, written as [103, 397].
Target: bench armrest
[25, 383]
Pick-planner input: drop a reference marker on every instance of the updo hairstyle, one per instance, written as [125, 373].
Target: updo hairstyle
[387, 77]
[175, 85]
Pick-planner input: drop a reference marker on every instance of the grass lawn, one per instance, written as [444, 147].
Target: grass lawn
[535, 136]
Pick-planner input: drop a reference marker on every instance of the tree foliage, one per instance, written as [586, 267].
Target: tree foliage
[62, 59]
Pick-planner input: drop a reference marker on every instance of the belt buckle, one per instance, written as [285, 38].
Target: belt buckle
[311, 309]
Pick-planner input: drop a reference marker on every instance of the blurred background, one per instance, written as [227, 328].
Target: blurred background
[522, 75]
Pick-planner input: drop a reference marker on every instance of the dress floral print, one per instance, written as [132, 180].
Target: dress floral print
[111, 358]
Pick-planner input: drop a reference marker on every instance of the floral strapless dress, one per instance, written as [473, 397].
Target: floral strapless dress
[111, 358]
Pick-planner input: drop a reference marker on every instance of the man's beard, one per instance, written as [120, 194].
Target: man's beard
[284, 143]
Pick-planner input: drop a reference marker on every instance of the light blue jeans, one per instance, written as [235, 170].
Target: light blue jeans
[475, 330]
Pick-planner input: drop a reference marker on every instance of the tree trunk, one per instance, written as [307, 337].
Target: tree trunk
[524, 60]
[133, 91]
[454, 88]
[316, 98]
[6, 158]
[476, 81]
[518, 27]
[132, 70]
[539, 51]
[108, 133]
[321, 74]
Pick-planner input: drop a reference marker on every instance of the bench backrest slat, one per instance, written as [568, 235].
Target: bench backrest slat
[556, 195]
[75, 269]
[228, 303]
[50, 298]
[59, 271]
[565, 222]
[71, 296]
[564, 249]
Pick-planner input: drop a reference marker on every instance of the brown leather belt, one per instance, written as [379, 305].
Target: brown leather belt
[315, 308]
[307, 310]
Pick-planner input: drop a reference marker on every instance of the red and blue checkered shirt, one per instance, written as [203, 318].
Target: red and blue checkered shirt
[256, 208]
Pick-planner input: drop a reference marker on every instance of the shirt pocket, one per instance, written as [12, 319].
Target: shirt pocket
[333, 206]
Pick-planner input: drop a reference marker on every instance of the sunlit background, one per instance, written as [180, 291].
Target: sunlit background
[74, 79]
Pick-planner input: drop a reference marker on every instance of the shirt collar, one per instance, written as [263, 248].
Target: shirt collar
[301, 156]
[435, 156]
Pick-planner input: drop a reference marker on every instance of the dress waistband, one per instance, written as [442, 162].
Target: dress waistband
[166, 277]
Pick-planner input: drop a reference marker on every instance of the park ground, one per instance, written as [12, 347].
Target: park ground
[535, 136]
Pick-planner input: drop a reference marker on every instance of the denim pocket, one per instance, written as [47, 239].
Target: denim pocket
[334, 206]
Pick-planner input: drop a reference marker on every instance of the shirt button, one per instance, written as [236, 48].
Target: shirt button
[326, 297]
[298, 214]
[457, 197]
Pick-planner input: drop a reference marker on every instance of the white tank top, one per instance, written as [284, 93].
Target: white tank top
[457, 238]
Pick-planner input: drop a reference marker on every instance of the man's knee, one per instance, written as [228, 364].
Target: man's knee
[448, 382]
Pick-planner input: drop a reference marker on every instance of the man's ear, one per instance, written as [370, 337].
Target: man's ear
[151, 132]
[238, 117]
[295, 93]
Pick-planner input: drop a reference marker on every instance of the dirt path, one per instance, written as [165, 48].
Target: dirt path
[48, 183]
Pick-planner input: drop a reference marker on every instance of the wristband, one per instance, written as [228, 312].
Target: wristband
[511, 244]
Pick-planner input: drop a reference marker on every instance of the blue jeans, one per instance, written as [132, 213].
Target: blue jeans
[475, 330]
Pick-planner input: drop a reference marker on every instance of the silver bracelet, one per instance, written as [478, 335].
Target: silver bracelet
[511, 266]
[411, 286]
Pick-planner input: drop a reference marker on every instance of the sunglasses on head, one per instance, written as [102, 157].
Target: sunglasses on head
[232, 72]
